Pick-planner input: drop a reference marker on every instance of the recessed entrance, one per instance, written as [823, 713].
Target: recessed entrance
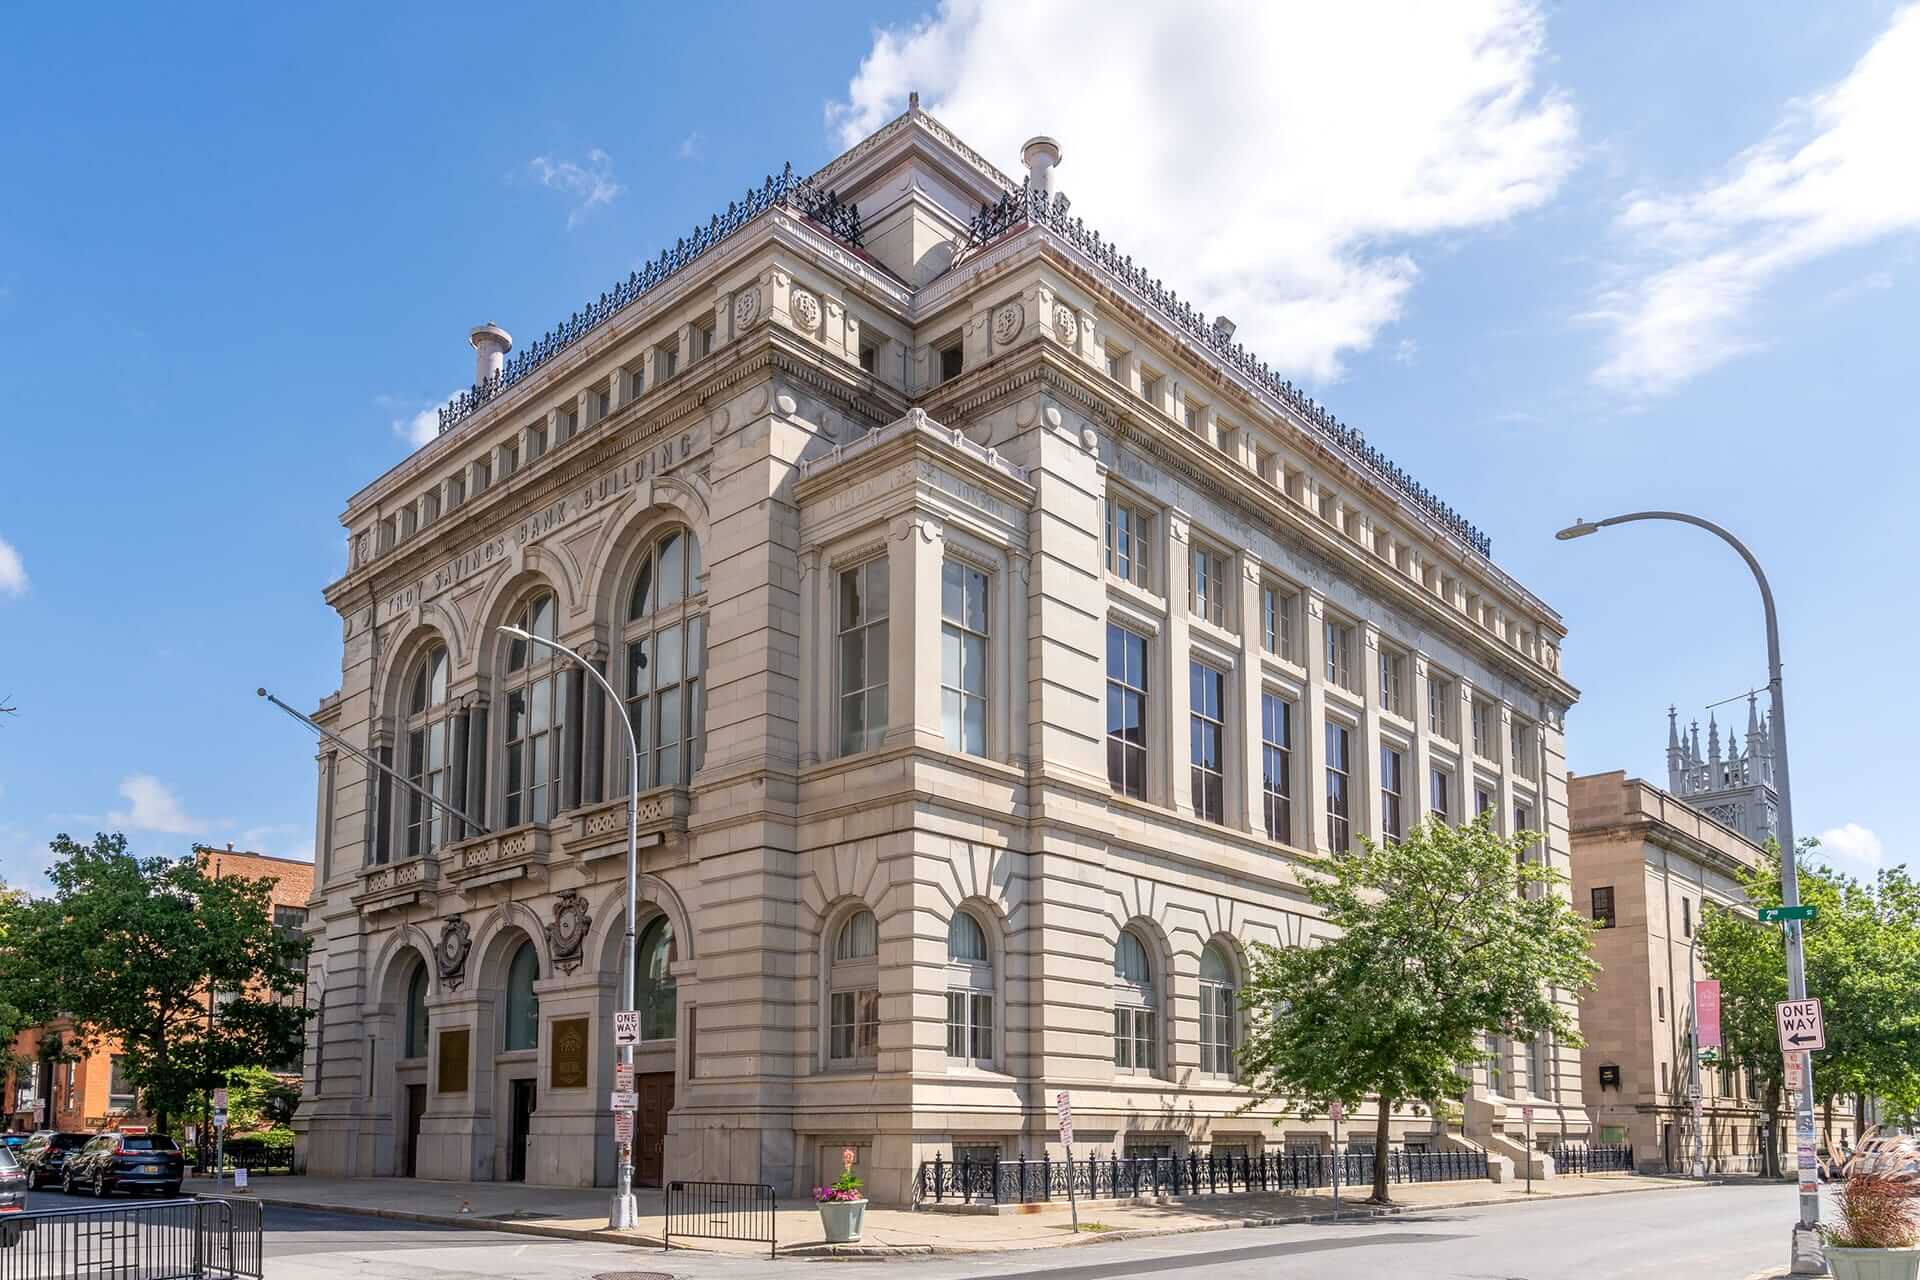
[520, 1127]
[650, 1127]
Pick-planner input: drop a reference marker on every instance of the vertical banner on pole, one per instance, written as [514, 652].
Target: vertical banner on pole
[1706, 1010]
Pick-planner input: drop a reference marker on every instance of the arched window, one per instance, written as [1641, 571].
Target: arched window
[429, 747]
[1217, 1007]
[853, 1002]
[416, 1031]
[666, 657]
[656, 994]
[523, 1006]
[969, 992]
[535, 696]
[1135, 1024]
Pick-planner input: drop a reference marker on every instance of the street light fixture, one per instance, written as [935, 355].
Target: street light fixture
[623, 1214]
[1806, 1255]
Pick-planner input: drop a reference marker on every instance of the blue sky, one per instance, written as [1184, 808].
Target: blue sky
[1559, 262]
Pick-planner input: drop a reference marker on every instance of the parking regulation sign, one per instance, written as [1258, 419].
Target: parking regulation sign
[1802, 1028]
[1063, 1111]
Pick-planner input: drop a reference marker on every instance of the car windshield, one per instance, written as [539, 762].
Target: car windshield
[68, 1141]
[146, 1142]
[7, 1162]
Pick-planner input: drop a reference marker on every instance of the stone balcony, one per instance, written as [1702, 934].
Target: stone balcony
[600, 830]
[499, 855]
[390, 886]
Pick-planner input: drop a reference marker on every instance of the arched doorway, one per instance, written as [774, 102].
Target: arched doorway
[657, 998]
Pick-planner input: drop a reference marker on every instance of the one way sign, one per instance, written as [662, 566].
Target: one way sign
[1801, 1025]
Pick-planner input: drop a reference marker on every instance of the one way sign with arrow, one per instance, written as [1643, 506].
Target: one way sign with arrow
[1801, 1025]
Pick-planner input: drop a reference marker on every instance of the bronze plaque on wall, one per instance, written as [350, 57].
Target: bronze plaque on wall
[569, 1054]
[453, 1059]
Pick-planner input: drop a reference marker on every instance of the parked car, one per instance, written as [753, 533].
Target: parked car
[13, 1183]
[125, 1162]
[46, 1154]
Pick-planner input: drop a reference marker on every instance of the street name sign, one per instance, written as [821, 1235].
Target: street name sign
[1780, 915]
[626, 1027]
[1801, 1025]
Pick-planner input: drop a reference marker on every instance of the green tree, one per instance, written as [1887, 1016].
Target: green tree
[25, 998]
[133, 946]
[258, 1099]
[1444, 938]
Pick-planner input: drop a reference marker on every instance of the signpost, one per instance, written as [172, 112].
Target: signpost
[1526, 1113]
[1803, 1029]
[1063, 1111]
[1780, 915]
[1336, 1112]
[220, 1138]
[626, 1028]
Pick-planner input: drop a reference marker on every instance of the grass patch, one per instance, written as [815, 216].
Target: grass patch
[1093, 1226]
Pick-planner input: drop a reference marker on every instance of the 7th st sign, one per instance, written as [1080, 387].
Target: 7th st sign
[1802, 1027]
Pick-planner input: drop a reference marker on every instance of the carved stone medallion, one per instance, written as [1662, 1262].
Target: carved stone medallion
[1065, 325]
[1007, 322]
[450, 956]
[746, 307]
[567, 935]
[806, 310]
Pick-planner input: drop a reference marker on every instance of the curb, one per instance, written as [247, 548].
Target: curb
[633, 1240]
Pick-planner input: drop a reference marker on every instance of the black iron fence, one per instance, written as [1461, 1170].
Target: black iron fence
[717, 1211]
[1593, 1157]
[1025, 1181]
[170, 1240]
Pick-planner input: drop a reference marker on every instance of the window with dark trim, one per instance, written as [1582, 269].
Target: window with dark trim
[1603, 906]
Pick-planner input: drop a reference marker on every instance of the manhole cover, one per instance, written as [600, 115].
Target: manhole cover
[633, 1275]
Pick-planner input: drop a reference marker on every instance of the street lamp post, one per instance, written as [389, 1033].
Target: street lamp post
[623, 1214]
[1806, 1255]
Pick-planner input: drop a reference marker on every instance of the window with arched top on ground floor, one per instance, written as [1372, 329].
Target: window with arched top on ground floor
[656, 993]
[428, 752]
[969, 992]
[533, 695]
[1135, 1006]
[1218, 1006]
[523, 1006]
[414, 1040]
[665, 638]
[853, 1000]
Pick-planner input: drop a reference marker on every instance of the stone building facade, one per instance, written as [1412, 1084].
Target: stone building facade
[1003, 640]
[1646, 865]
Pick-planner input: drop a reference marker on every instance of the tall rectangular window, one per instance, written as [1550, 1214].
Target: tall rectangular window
[1276, 767]
[1207, 590]
[120, 1091]
[1482, 800]
[1524, 762]
[1393, 681]
[1129, 533]
[1208, 692]
[1339, 815]
[1126, 711]
[1440, 795]
[1603, 906]
[1277, 605]
[1440, 703]
[1686, 917]
[953, 360]
[862, 643]
[855, 1029]
[1484, 720]
[1392, 801]
[1339, 644]
[963, 657]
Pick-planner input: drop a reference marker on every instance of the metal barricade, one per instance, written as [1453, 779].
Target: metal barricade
[170, 1240]
[717, 1211]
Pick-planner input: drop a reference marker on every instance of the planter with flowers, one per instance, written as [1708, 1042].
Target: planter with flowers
[1876, 1235]
[843, 1204]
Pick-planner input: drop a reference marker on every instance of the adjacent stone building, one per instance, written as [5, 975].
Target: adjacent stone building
[1001, 638]
[1646, 866]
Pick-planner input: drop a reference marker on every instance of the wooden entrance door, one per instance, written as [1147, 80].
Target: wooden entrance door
[650, 1127]
[416, 1108]
[519, 1128]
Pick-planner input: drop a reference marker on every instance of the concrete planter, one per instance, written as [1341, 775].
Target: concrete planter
[1873, 1264]
[841, 1220]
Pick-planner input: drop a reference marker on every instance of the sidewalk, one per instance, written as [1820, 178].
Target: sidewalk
[582, 1214]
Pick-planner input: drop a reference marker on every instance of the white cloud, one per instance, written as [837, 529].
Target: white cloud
[1853, 843]
[590, 184]
[417, 424]
[691, 144]
[13, 573]
[154, 807]
[1277, 164]
[1836, 173]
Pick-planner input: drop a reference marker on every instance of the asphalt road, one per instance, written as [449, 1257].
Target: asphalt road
[1704, 1234]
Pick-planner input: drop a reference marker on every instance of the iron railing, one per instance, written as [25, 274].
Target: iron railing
[1592, 1157]
[168, 1240]
[1024, 1181]
[799, 194]
[1030, 206]
[718, 1211]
